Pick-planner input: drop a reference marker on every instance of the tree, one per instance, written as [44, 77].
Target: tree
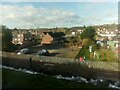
[37, 38]
[74, 41]
[87, 42]
[88, 39]
[89, 33]
[7, 39]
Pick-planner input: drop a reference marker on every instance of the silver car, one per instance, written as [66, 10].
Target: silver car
[23, 51]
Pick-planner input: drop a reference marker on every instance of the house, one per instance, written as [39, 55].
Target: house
[73, 33]
[28, 39]
[28, 36]
[111, 44]
[116, 41]
[44, 33]
[18, 38]
[53, 37]
[79, 31]
[101, 40]
[100, 43]
[108, 35]
[21, 38]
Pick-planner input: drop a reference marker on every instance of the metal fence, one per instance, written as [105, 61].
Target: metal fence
[94, 64]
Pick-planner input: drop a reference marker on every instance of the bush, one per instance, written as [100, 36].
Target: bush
[83, 52]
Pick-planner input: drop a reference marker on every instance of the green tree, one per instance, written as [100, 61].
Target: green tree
[89, 33]
[88, 39]
[74, 41]
[37, 38]
[7, 39]
[87, 42]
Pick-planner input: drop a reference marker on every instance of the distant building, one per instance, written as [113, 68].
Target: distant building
[73, 33]
[108, 35]
[101, 40]
[79, 31]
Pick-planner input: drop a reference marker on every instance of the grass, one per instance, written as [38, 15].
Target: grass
[13, 79]
[103, 54]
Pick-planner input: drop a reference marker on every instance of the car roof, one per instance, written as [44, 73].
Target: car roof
[25, 49]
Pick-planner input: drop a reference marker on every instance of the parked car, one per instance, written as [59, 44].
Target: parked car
[43, 52]
[23, 51]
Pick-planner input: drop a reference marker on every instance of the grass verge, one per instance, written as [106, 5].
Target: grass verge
[13, 79]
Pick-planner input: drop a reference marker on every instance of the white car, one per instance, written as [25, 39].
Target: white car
[23, 51]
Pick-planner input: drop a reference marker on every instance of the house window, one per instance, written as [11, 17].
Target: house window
[18, 35]
[29, 38]
[19, 39]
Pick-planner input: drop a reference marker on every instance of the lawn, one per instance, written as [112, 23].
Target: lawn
[13, 79]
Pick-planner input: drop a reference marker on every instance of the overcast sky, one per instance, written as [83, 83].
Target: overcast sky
[57, 14]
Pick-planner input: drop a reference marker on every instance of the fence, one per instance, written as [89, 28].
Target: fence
[94, 64]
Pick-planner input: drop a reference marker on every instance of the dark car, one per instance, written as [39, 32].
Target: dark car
[43, 52]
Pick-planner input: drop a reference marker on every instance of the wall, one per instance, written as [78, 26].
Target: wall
[94, 64]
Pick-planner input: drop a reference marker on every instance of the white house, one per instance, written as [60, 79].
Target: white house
[108, 35]
[73, 33]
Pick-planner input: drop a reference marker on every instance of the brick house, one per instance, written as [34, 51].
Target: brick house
[53, 37]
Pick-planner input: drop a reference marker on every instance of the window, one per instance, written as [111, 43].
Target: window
[18, 35]
[19, 39]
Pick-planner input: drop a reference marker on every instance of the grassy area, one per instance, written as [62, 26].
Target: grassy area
[13, 79]
[101, 55]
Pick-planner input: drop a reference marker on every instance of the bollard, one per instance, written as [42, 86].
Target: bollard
[30, 62]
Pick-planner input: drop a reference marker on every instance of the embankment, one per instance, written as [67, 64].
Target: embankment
[53, 65]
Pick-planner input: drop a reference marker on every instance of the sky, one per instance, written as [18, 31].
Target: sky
[57, 14]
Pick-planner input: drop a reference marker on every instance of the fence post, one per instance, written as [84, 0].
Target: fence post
[30, 63]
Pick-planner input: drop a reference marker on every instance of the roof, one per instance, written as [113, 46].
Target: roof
[45, 33]
[100, 38]
[16, 35]
[116, 38]
[55, 34]
[27, 35]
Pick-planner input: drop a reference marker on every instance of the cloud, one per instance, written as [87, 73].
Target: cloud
[28, 16]
[35, 17]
